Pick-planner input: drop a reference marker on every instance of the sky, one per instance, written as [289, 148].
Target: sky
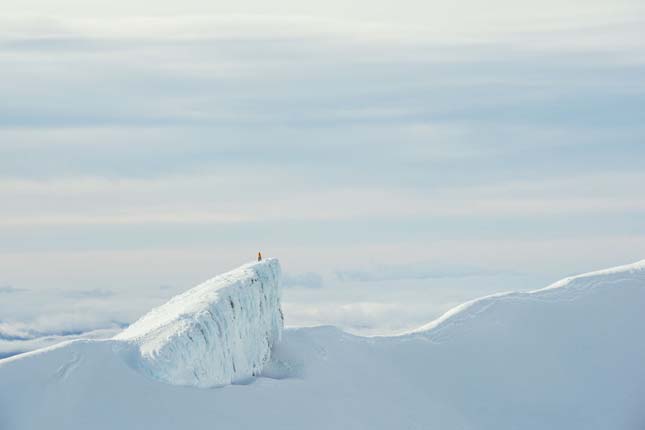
[399, 158]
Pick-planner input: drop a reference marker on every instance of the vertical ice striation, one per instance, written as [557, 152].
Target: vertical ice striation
[216, 333]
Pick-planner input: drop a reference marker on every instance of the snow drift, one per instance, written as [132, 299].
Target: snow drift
[216, 333]
[570, 356]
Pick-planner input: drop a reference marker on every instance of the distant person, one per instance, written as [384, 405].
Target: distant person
[259, 256]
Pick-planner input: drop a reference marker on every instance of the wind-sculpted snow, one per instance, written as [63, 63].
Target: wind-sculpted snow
[567, 289]
[219, 332]
[569, 356]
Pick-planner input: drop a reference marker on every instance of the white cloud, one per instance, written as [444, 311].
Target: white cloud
[365, 318]
[303, 280]
[91, 201]
[8, 289]
[461, 17]
[412, 271]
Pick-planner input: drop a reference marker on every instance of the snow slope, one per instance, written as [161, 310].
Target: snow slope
[570, 356]
[219, 332]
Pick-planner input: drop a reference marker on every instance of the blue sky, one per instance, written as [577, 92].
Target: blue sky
[398, 158]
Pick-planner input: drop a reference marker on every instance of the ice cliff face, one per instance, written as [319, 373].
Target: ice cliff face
[216, 333]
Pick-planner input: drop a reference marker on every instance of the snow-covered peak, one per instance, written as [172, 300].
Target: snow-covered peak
[218, 332]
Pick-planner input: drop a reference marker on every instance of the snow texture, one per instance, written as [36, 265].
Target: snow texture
[565, 289]
[216, 333]
[570, 356]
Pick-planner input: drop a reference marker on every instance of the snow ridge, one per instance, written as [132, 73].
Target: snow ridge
[564, 290]
[219, 332]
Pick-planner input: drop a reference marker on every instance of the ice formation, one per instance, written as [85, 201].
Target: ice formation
[216, 333]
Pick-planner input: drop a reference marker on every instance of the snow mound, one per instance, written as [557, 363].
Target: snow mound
[567, 289]
[217, 333]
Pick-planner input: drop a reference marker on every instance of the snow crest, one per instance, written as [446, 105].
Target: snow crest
[567, 289]
[217, 333]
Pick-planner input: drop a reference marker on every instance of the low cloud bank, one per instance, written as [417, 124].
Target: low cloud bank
[303, 280]
[413, 271]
